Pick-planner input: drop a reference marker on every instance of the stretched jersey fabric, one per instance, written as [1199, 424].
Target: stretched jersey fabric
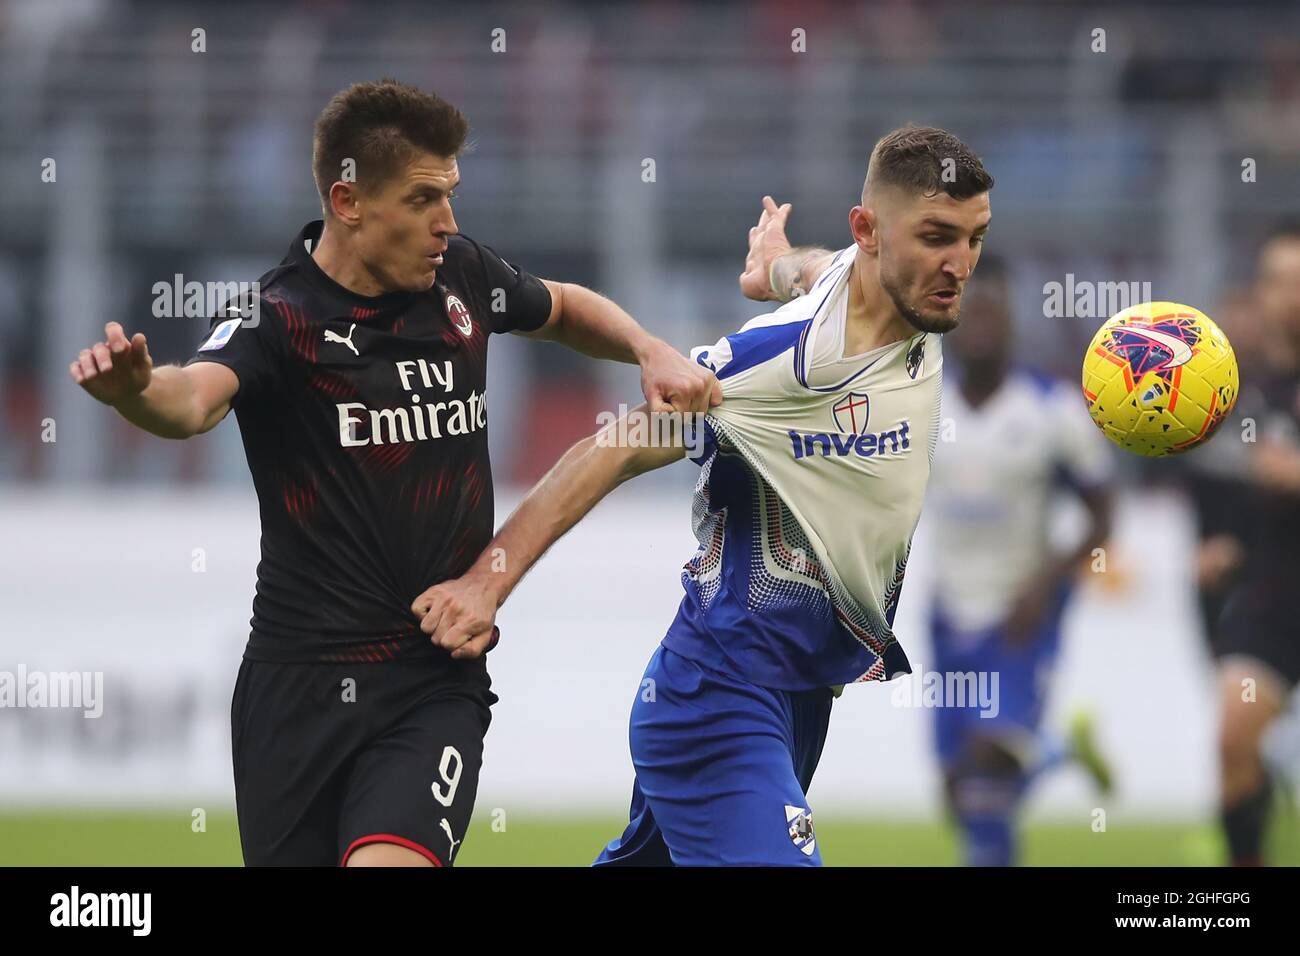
[811, 486]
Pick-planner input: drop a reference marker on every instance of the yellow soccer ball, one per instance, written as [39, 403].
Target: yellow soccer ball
[1159, 378]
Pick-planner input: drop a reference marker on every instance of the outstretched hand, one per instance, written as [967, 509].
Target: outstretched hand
[767, 241]
[115, 369]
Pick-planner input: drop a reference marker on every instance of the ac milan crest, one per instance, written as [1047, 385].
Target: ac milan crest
[459, 315]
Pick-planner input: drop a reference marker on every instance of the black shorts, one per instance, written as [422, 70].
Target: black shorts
[1261, 620]
[330, 757]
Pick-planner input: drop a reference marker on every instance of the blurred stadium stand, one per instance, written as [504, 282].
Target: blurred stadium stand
[174, 161]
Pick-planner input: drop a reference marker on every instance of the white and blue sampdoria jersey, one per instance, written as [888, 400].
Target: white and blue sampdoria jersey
[992, 494]
[811, 486]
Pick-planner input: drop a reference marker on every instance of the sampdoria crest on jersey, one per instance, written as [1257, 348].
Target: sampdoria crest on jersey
[850, 413]
[459, 315]
[915, 357]
[801, 829]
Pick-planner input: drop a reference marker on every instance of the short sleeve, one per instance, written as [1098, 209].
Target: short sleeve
[735, 357]
[242, 338]
[714, 357]
[518, 301]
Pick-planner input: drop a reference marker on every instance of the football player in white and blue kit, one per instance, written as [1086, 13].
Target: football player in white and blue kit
[813, 471]
[1013, 439]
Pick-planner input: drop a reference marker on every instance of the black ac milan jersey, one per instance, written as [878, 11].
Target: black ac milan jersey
[364, 420]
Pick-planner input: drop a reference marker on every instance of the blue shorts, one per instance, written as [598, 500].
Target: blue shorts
[1023, 676]
[722, 770]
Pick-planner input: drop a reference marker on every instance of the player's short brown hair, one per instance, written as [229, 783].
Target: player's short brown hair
[913, 158]
[381, 126]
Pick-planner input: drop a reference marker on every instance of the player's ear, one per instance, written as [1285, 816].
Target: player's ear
[344, 203]
[864, 226]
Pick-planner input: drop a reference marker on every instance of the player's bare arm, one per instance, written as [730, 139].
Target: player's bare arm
[459, 614]
[589, 323]
[170, 402]
[773, 269]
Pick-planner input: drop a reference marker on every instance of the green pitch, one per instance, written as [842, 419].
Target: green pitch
[99, 839]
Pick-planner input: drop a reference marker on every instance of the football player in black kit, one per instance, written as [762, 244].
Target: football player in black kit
[1256, 637]
[357, 372]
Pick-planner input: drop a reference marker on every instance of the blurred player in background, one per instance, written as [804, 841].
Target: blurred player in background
[812, 479]
[1011, 439]
[358, 373]
[1215, 476]
[1251, 558]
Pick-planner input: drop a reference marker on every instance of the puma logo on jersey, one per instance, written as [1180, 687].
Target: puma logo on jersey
[332, 336]
[446, 828]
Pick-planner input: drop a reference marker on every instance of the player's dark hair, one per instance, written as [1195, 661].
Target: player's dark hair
[381, 126]
[914, 158]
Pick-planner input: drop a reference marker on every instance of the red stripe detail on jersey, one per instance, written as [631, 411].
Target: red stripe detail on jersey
[332, 384]
[381, 456]
[394, 455]
[397, 841]
[300, 500]
[476, 489]
[283, 312]
[309, 340]
[299, 332]
[291, 323]
[375, 456]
